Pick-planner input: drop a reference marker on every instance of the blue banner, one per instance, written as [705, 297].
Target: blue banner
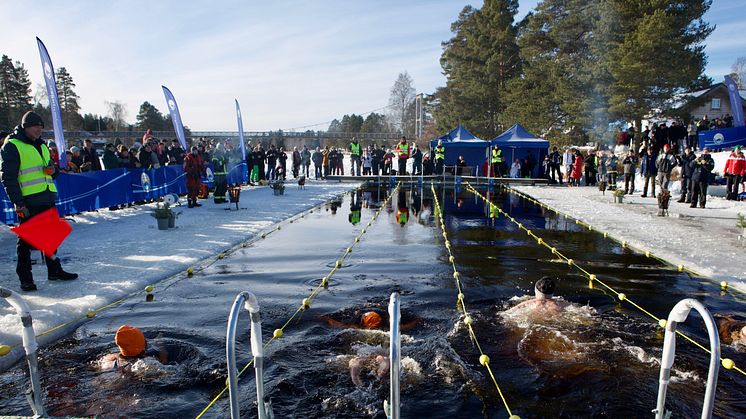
[173, 108]
[240, 130]
[723, 138]
[54, 104]
[735, 102]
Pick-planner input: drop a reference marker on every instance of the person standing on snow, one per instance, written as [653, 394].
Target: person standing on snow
[193, 168]
[27, 173]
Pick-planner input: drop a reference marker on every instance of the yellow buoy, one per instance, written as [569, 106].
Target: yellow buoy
[221, 255]
[728, 363]
[324, 281]
[662, 323]
[190, 271]
[621, 296]
[540, 240]
[277, 333]
[5, 350]
[306, 303]
[338, 264]
[460, 296]
[624, 243]
[484, 360]
[243, 244]
[456, 275]
[681, 268]
[90, 314]
[149, 288]
[592, 277]
[468, 320]
[569, 262]
[451, 259]
[647, 254]
[723, 285]
[357, 239]
[349, 250]
[363, 231]
[264, 235]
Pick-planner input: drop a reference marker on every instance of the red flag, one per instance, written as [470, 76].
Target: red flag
[45, 231]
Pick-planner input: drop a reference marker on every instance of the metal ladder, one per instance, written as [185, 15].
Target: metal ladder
[679, 314]
[391, 406]
[264, 405]
[33, 394]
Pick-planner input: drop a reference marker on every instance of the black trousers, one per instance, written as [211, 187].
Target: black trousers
[629, 183]
[439, 167]
[699, 191]
[402, 167]
[23, 251]
[686, 189]
[556, 169]
[734, 182]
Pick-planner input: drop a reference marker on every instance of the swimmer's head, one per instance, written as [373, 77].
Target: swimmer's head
[130, 340]
[544, 288]
[371, 320]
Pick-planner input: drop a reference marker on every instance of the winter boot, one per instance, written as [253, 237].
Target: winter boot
[196, 204]
[55, 272]
[27, 282]
[190, 203]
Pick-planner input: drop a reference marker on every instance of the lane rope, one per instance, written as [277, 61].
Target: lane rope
[306, 302]
[484, 359]
[726, 363]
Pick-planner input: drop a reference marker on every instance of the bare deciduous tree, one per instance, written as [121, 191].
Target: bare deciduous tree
[402, 96]
[117, 113]
[739, 69]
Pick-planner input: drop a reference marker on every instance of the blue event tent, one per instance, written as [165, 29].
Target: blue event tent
[516, 143]
[460, 142]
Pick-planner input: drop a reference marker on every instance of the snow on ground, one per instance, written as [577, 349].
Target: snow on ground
[119, 252]
[704, 240]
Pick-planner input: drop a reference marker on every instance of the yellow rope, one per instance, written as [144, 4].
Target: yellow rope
[461, 299]
[306, 303]
[593, 278]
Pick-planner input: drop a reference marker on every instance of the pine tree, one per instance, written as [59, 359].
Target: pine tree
[478, 62]
[150, 117]
[15, 98]
[68, 99]
[660, 52]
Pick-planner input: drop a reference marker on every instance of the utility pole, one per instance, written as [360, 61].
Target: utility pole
[419, 116]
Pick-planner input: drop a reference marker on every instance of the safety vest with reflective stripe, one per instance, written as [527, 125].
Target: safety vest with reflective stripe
[403, 149]
[440, 152]
[355, 149]
[497, 156]
[402, 216]
[31, 176]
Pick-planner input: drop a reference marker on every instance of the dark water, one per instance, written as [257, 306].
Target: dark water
[599, 359]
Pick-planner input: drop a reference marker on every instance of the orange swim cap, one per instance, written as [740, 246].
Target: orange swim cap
[372, 320]
[130, 340]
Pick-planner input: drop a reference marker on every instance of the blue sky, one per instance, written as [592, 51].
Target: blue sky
[290, 63]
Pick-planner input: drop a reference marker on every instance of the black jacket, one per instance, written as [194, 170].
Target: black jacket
[10, 162]
[701, 168]
[685, 163]
[90, 156]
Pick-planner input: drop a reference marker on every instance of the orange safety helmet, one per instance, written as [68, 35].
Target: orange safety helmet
[372, 320]
[130, 340]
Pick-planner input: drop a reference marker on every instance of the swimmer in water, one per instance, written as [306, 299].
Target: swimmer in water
[377, 365]
[132, 346]
[731, 331]
[543, 303]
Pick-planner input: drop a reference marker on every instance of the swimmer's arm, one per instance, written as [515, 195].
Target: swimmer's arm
[520, 306]
[335, 323]
[355, 369]
[163, 355]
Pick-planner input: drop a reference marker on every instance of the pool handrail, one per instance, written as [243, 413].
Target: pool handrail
[679, 314]
[392, 410]
[30, 346]
[250, 302]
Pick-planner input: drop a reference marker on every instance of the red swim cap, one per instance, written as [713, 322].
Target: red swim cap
[130, 340]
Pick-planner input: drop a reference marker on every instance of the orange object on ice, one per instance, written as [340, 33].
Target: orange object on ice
[46, 231]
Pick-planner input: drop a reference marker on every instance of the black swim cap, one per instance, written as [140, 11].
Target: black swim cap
[545, 285]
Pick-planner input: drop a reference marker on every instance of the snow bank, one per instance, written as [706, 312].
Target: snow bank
[119, 252]
[705, 240]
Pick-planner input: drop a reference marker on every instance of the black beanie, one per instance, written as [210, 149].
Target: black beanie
[31, 119]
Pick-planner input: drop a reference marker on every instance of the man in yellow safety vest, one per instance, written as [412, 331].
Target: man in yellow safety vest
[497, 162]
[440, 157]
[27, 173]
[403, 149]
[355, 156]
